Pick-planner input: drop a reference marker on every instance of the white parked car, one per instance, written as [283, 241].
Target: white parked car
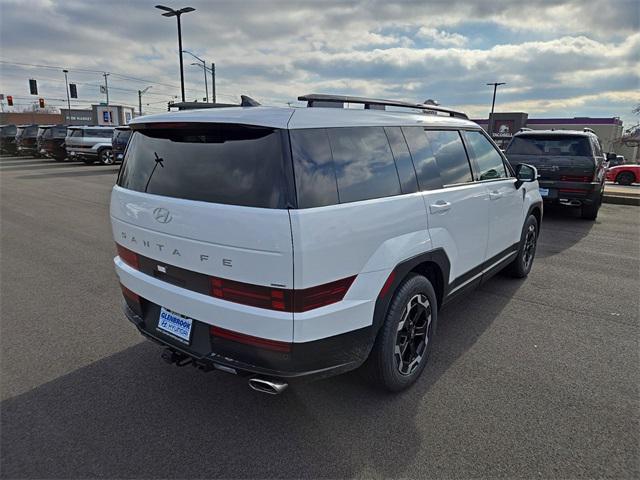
[287, 243]
[90, 144]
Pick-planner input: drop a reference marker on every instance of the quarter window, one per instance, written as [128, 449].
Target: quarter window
[313, 168]
[488, 160]
[450, 156]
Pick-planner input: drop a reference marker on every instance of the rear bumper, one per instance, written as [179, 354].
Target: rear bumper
[306, 361]
[586, 193]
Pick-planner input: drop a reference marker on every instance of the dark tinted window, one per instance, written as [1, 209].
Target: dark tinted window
[76, 132]
[450, 156]
[363, 163]
[98, 132]
[228, 164]
[9, 131]
[488, 160]
[406, 172]
[31, 131]
[423, 158]
[121, 136]
[313, 167]
[58, 132]
[550, 145]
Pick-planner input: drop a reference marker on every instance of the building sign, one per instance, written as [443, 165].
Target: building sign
[503, 128]
[77, 116]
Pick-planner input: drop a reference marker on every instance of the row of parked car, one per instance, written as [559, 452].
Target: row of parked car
[89, 144]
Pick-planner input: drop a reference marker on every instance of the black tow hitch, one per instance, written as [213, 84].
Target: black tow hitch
[179, 359]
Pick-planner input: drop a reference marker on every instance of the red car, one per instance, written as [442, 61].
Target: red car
[624, 174]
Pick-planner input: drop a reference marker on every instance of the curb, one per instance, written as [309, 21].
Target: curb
[621, 199]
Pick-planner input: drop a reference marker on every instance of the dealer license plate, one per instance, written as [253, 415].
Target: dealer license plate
[544, 192]
[175, 324]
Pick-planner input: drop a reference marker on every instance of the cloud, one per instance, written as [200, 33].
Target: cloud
[548, 51]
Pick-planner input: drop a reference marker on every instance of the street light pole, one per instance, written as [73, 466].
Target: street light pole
[106, 86]
[213, 82]
[66, 81]
[170, 12]
[204, 71]
[493, 104]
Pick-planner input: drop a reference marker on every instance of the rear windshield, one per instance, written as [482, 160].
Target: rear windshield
[559, 145]
[121, 136]
[31, 131]
[55, 132]
[9, 131]
[229, 164]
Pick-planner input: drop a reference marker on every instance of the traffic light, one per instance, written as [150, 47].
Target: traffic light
[41, 102]
[73, 90]
[33, 86]
[10, 100]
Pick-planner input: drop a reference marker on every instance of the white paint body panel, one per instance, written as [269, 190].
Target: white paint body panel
[462, 228]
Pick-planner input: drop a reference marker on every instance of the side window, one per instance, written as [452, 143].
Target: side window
[597, 148]
[363, 163]
[488, 160]
[423, 158]
[406, 172]
[313, 168]
[450, 156]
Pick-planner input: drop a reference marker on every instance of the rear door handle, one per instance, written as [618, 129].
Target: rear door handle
[440, 207]
[495, 195]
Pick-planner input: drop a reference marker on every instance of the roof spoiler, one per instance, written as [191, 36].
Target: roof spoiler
[245, 101]
[319, 99]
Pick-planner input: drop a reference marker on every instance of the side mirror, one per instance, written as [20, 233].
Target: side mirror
[525, 173]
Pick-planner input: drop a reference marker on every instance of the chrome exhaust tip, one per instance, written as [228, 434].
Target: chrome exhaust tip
[272, 387]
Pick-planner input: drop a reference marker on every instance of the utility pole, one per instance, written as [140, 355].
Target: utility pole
[66, 81]
[213, 82]
[493, 104]
[140, 92]
[106, 86]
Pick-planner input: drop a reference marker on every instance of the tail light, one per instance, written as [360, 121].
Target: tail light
[132, 299]
[265, 343]
[127, 256]
[283, 300]
[575, 178]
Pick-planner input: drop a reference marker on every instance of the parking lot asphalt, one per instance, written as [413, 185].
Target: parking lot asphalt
[528, 378]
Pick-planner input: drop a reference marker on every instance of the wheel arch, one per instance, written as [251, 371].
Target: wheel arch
[434, 265]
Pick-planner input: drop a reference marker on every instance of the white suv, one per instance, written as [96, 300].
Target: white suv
[286, 243]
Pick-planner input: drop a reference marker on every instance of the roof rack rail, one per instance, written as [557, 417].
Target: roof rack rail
[587, 129]
[526, 129]
[320, 99]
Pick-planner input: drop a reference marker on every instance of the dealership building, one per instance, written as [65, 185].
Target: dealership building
[609, 130]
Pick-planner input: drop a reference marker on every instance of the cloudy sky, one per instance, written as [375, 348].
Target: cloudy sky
[559, 58]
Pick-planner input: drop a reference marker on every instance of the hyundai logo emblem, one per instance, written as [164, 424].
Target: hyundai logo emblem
[162, 215]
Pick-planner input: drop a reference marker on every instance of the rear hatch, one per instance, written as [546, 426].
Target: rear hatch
[558, 157]
[207, 203]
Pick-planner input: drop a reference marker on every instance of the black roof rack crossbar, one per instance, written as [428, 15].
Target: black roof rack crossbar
[369, 102]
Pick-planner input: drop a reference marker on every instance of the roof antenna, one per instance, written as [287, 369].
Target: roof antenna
[247, 101]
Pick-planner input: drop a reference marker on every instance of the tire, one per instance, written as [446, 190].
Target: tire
[106, 156]
[523, 262]
[59, 159]
[625, 178]
[590, 212]
[386, 367]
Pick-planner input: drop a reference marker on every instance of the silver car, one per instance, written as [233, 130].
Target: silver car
[90, 144]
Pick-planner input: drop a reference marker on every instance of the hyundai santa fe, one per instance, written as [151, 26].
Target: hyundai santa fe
[295, 243]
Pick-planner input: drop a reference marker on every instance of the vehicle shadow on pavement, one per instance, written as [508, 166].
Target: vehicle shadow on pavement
[561, 229]
[131, 415]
